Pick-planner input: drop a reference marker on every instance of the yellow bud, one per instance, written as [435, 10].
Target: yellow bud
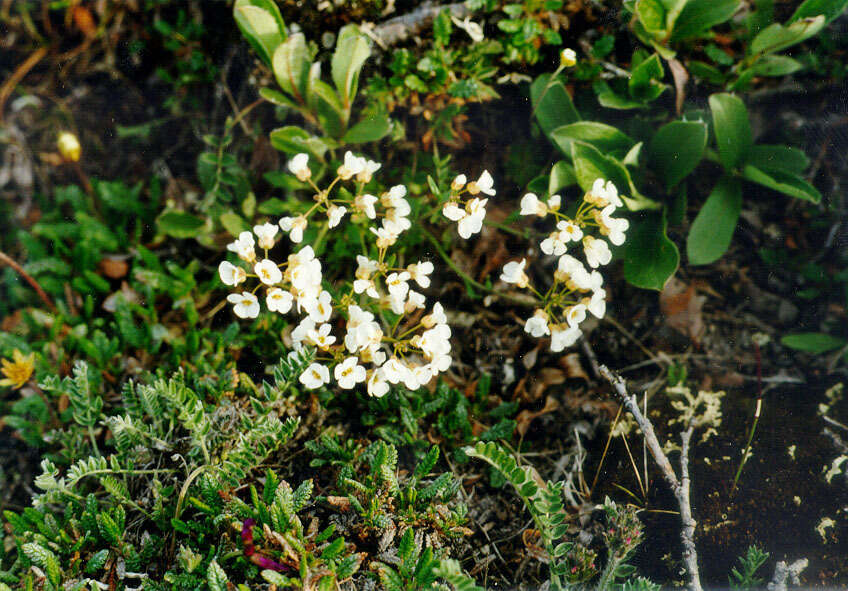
[69, 146]
[568, 58]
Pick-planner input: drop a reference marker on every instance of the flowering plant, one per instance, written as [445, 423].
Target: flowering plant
[388, 337]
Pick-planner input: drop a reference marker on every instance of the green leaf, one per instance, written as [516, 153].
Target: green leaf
[278, 98]
[291, 63]
[813, 342]
[775, 65]
[784, 182]
[369, 129]
[644, 80]
[650, 258]
[552, 104]
[293, 140]
[262, 25]
[778, 157]
[604, 137]
[562, 175]
[776, 36]
[830, 9]
[676, 149]
[590, 164]
[216, 578]
[233, 223]
[698, 16]
[180, 224]
[712, 230]
[352, 49]
[608, 98]
[651, 14]
[731, 127]
[442, 27]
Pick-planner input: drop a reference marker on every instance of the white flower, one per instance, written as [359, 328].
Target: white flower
[377, 384]
[562, 337]
[436, 317]
[266, 233]
[395, 197]
[484, 184]
[575, 314]
[353, 165]
[321, 337]
[348, 373]
[243, 247]
[554, 201]
[459, 182]
[614, 228]
[304, 273]
[397, 284]
[440, 364]
[231, 274]
[301, 331]
[394, 370]
[597, 251]
[395, 220]
[569, 231]
[596, 281]
[537, 324]
[603, 194]
[245, 304]
[394, 302]
[299, 166]
[572, 273]
[568, 57]
[420, 273]
[315, 376]
[362, 331]
[514, 273]
[473, 222]
[368, 169]
[415, 301]
[321, 308]
[365, 204]
[434, 342]
[554, 244]
[597, 304]
[453, 211]
[530, 205]
[335, 213]
[279, 300]
[268, 272]
[474, 30]
[386, 236]
[422, 374]
[294, 226]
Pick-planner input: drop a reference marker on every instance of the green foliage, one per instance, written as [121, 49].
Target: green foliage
[745, 577]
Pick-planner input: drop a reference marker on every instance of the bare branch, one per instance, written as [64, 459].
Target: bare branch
[404, 26]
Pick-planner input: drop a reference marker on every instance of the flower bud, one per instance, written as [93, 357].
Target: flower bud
[69, 146]
[568, 58]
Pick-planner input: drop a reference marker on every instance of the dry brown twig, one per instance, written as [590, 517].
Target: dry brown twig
[402, 27]
[679, 486]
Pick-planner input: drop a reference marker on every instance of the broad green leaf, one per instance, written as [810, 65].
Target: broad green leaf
[611, 100]
[293, 140]
[233, 223]
[676, 149]
[784, 182]
[644, 83]
[590, 164]
[552, 104]
[813, 342]
[331, 112]
[712, 230]
[262, 25]
[562, 175]
[604, 137]
[650, 258]
[698, 16]
[651, 14]
[769, 158]
[278, 98]
[775, 65]
[370, 129]
[731, 127]
[180, 224]
[291, 63]
[776, 36]
[633, 155]
[352, 49]
[830, 9]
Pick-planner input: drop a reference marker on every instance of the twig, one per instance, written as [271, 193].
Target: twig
[4, 258]
[782, 571]
[18, 75]
[402, 27]
[680, 487]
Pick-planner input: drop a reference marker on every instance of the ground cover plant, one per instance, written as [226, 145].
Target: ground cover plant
[390, 295]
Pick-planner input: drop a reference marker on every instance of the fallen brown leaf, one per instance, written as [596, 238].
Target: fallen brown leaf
[682, 308]
[526, 416]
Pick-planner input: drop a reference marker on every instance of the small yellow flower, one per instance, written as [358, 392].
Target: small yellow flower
[19, 371]
[69, 146]
[568, 58]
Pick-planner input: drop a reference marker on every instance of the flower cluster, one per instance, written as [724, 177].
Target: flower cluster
[470, 213]
[576, 291]
[388, 336]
